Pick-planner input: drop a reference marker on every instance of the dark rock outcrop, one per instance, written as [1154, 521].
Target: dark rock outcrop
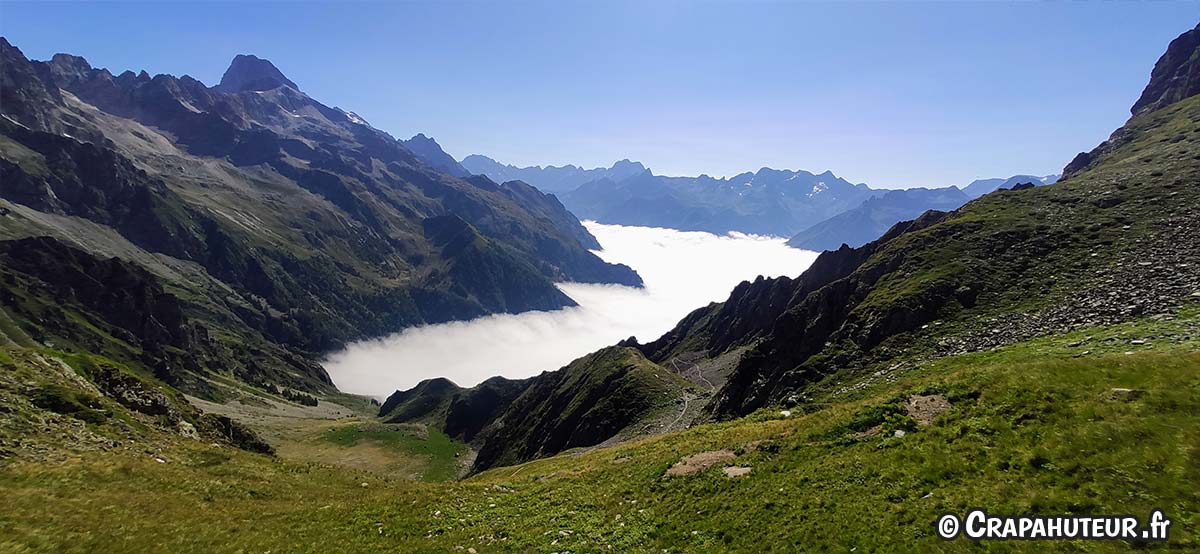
[1176, 75]
[312, 219]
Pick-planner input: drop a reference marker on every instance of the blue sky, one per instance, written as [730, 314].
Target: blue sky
[924, 94]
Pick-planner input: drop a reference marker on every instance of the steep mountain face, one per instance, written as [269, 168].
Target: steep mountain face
[286, 221]
[550, 178]
[1109, 243]
[432, 154]
[1176, 75]
[875, 216]
[980, 187]
[769, 201]
[251, 73]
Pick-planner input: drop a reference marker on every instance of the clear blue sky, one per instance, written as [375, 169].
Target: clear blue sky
[889, 94]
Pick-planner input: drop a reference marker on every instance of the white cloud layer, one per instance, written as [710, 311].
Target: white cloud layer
[682, 271]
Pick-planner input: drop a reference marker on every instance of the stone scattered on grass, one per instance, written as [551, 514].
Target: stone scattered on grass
[736, 471]
[899, 433]
[699, 462]
[1128, 395]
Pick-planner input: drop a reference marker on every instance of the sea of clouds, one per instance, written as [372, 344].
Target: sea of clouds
[682, 271]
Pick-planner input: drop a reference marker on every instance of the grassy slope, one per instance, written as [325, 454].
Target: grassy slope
[582, 404]
[1033, 429]
[434, 455]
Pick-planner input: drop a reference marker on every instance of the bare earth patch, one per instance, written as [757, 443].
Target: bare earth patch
[699, 462]
[924, 408]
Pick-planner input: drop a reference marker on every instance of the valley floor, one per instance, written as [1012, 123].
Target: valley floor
[1102, 420]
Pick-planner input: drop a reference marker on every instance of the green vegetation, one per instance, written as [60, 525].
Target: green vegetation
[583, 404]
[1032, 428]
[440, 454]
[62, 400]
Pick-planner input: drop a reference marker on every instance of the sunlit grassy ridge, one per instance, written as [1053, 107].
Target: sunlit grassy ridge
[1031, 430]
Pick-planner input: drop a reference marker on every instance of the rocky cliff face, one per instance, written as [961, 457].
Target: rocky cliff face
[251, 73]
[1176, 75]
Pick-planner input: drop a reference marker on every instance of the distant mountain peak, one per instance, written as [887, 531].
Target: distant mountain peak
[249, 72]
[428, 149]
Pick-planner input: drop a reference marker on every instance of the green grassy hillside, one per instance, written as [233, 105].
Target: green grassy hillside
[1036, 427]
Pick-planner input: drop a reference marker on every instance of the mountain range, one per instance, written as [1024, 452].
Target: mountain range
[550, 178]
[1009, 267]
[768, 201]
[871, 219]
[280, 225]
[174, 256]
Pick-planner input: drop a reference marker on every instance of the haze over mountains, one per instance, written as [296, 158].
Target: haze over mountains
[767, 201]
[550, 178]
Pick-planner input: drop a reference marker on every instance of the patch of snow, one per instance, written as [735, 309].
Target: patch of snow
[15, 121]
[818, 188]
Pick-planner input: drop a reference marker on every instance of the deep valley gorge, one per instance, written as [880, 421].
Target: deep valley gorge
[234, 318]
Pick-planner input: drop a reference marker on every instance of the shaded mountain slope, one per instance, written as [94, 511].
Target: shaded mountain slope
[583, 404]
[432, 154]
[312, 223]
[461, 413]
[426, 402]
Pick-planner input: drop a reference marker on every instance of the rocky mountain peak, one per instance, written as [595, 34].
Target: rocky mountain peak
[1176, 75]
[248, 72]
